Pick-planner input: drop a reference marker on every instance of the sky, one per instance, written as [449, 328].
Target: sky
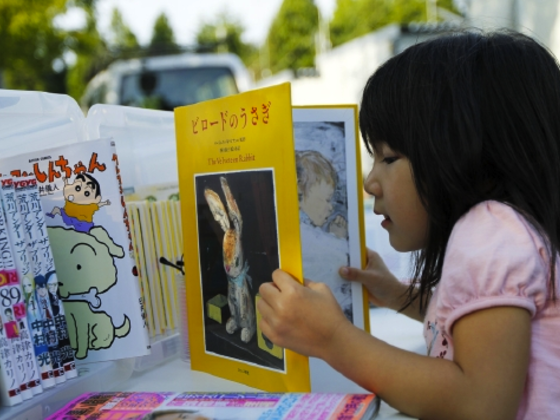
[186, 16]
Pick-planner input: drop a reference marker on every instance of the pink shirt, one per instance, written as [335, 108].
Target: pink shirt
[495, 258]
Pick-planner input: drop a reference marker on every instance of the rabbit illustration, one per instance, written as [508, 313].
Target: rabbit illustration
[240, 301]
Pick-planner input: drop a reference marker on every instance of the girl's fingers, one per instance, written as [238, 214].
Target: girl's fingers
[268, 291]
[350, 273]
[283, 281]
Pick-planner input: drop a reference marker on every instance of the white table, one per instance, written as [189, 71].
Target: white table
[176, 376]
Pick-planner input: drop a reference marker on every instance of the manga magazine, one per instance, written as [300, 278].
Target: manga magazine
[79, 192]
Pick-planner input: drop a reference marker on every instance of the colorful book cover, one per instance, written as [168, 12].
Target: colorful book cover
[12, 291]
[35, 319]
[219, 406]
[44, 273]
[87, 224]
[10, 393]
[238, 188]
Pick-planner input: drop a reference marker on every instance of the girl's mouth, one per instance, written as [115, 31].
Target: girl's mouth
[386, 221]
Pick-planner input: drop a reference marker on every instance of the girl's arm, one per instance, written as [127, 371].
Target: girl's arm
[384, 289]
[485, 380]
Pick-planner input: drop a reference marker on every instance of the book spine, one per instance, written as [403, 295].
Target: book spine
[67, 352]
[130, 253]
[10, 326]
[15, 295]
[134, 222]
[35, 320]
[10, 393]
[42, 265]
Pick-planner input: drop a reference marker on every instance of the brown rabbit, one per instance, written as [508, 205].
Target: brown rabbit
[240, 301]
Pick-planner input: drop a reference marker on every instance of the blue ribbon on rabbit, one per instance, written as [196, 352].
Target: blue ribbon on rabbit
[240, 301]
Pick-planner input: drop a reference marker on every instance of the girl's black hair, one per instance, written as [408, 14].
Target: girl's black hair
[478, 116]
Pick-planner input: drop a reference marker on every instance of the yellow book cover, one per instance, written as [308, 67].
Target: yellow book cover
[248, 183]
[238, 187]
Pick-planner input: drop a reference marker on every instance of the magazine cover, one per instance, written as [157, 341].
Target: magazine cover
[238, 188]
[218, 406]
[87, 226]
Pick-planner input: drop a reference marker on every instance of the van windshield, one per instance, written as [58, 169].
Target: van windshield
[167, 89]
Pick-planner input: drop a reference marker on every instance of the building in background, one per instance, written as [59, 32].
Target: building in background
[340, 73]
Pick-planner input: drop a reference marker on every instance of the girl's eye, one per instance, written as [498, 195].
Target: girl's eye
[390, 159]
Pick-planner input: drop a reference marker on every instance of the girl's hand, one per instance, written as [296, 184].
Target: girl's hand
[302, 318]
[384, 289]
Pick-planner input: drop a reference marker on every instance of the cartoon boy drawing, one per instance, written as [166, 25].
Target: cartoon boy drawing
[82, 200]
[324, 235]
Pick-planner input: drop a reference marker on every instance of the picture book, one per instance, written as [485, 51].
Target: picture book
[219, 406]
[87, 224]
[240, 211]
[330, 199]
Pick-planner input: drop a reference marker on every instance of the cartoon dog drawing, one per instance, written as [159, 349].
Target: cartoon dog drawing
[85, 268]
[240, 301]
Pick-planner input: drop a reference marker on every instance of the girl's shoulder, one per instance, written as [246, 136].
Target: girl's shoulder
[494, 254]
[495, 223]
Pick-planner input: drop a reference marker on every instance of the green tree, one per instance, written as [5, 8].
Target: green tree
[91, 53]
[163, 38]
[121, 37]
[224, 34]
[354, 18]
[291, 38]
[31, 46]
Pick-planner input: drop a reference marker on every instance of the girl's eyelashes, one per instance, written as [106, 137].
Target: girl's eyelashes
[389, 159]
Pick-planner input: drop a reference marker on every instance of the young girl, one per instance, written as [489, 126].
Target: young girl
[465, 133]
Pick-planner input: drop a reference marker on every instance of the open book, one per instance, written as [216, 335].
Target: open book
[247, 209]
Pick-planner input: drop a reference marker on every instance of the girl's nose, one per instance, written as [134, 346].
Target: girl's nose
[372, 185]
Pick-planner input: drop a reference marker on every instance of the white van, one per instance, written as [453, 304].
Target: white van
[165, 82]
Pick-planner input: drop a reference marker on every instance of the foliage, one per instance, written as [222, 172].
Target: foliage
[353, 18]
[224, 34]
[30, 43]
[291, 38]
[91, 53]
[163, 38]
[121, 38]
